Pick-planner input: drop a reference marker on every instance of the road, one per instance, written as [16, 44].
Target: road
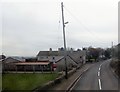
[98, 77]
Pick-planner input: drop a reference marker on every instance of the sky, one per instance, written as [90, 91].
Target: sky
[30, 26]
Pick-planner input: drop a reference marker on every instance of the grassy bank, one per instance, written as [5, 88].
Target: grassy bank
[26, 81]
[115, 64]
[0, 81]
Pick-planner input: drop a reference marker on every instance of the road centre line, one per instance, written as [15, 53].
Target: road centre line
[98, 73]
[99, 84]
[99, 68]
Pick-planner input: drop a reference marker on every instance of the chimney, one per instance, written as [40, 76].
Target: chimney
[50, 51]
[71, 50]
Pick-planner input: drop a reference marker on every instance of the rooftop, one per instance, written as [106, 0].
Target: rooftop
[32, 63]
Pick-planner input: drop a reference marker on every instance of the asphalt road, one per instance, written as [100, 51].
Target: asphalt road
[98, 77]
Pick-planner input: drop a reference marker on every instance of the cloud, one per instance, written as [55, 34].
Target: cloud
[31, 26]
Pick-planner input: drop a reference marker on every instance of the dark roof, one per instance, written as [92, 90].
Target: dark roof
[19, 58]
[52, 53]
[13, 59]
[60, 53]
[32, 63]
[43, 53]
[48, 53]
[76, 55]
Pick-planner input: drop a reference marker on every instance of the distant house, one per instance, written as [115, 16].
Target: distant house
[74, 58]
[8, 63]
[14, 59]
[22, 64]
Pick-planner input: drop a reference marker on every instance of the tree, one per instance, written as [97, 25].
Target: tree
[93, 53]
[107, 53]
[78, 49]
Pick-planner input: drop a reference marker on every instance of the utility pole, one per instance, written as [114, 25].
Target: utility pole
[65, 52]
[112, 51]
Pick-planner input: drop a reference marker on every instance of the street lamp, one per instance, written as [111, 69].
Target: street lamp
[66, 22]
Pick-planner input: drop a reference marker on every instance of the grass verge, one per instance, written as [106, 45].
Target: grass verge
[26, 81]
[115, 64]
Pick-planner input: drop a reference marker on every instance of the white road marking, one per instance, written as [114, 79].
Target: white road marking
[75, 84]
[99, 84]
[98, 73]
[98, 76]
[79, 77]
[85, 70]
[99, 68]
[102, 64]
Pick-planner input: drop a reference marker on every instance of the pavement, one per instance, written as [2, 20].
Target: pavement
[67, 83]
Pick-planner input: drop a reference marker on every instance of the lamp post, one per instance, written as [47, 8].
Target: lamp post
[65, 52]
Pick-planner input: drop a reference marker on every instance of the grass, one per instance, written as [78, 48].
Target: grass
[0, 81]
[25, 81]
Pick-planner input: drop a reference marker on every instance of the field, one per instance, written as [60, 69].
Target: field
[26, 81]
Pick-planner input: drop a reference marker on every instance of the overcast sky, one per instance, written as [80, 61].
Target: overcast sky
[29, 26]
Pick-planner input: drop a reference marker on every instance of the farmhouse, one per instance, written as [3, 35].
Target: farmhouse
[74, 58]
[8, 63]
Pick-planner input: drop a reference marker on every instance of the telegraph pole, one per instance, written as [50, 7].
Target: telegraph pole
[112, 51]
[65, 52]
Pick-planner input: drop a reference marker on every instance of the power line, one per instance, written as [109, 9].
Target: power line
[78, 20]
